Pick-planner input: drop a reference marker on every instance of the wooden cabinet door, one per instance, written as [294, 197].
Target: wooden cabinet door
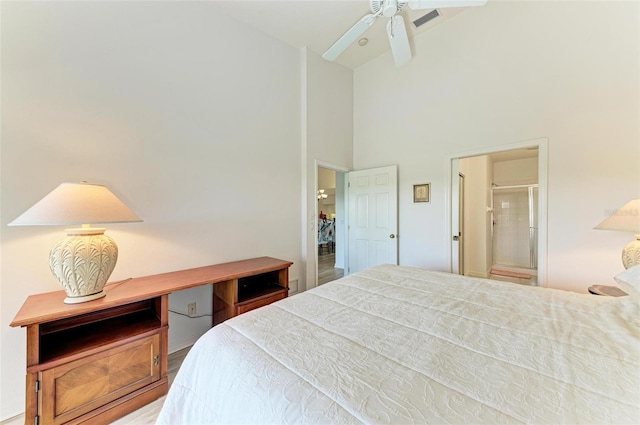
[75, 388]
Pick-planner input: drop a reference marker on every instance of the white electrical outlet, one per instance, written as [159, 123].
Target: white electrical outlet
[191, 309]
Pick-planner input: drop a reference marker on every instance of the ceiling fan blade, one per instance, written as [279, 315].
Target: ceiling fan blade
[349, 37]
[434, 4]
[397, 33]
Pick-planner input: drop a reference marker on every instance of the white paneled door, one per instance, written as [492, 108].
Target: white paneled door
[373, 217]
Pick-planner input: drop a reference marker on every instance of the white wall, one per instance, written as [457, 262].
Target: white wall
[326, 178]
[191, 118]
[327, 182]
[504, 73]
[516, 171]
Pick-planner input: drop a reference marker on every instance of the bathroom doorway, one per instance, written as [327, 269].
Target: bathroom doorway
[331, 224]
[502, 216]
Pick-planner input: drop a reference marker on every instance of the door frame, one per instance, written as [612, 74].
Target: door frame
[461, 229]
[543, 158]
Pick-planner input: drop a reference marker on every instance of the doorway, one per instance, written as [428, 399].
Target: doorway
[366, 201]
[330, 219]
[500, 213]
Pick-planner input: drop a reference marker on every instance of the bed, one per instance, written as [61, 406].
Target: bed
[400, 345]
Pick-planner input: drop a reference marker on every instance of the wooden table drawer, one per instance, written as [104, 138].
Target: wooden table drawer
[259, 302]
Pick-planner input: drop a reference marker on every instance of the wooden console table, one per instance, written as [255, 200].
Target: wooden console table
[97, 361]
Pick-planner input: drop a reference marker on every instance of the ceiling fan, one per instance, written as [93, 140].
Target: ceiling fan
[396, 30]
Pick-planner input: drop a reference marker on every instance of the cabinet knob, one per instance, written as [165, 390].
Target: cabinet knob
[156, 360]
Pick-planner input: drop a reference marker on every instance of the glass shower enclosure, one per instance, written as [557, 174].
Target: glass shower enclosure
[515, 226]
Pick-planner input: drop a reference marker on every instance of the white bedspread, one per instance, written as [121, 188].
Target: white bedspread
[402, 345]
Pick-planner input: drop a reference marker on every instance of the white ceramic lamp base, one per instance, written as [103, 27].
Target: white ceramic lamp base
[85, 298]
[631, 253]
[82, 262]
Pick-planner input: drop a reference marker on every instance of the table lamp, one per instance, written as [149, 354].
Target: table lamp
[83, 261]
[626, 219]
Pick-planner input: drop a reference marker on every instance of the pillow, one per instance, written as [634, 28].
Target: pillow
[629, 281]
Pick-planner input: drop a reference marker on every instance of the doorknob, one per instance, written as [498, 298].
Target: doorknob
[455, 238]
[392, 236]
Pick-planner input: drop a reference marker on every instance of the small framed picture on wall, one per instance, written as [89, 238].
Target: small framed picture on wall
[421, 192]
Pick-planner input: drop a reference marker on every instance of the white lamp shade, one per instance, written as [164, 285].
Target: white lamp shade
[625, 219]
[77, 203]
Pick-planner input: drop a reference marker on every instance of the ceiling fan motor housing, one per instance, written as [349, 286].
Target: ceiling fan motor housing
[388, 7]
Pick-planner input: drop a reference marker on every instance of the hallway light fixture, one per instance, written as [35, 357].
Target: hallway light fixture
[626, 219]
[83, 261]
